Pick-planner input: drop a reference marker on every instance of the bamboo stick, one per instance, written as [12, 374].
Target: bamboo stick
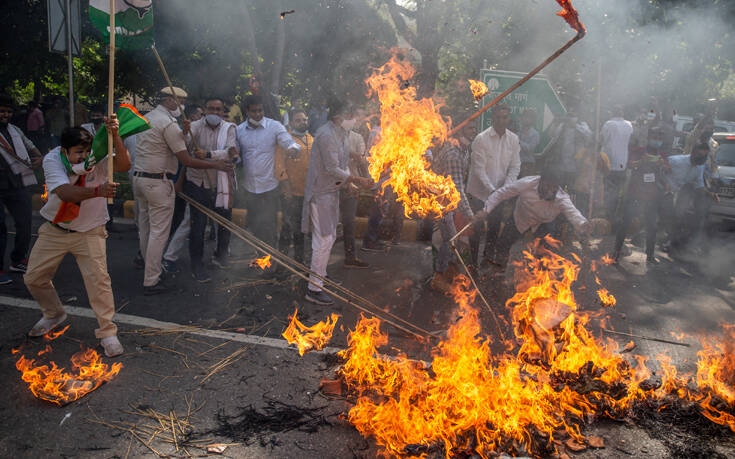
[648, 338]
[110, 96]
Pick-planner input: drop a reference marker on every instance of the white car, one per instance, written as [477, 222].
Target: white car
[719, 175]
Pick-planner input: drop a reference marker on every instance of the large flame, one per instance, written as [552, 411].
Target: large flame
[478, 89]
[558, 375]
[310, 338]
[570, 14]
[409, 127]
[58, 386]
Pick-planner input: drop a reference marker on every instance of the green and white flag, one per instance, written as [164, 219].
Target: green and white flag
[133, 22]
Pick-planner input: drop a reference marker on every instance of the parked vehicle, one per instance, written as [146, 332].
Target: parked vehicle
[686, 124]
[719, 175]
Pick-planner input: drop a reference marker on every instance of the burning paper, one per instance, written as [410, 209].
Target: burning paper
[262, 263]
[310, 338]
[58, 386]
[409, 128]
[478, 89]
[44, 195]
[606, 297]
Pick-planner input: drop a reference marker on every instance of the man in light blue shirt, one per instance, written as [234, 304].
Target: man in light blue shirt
[686, 195]
[257, 138]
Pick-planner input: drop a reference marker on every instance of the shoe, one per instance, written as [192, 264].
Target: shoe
[44, 326]
[19, 267]
[355, 263]
[220, 262]
[160, 287]
[138, 261]
[440, 283]
[373, 246]
[112, 346]
[651, 260]
[170, 267]
[395, 242]
[200, 275]
[318, 298]
[5, 278]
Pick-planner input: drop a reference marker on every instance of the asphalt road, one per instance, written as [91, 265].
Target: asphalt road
[692, 295]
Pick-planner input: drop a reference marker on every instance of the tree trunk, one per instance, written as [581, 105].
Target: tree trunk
[250, 35]
[280, 49]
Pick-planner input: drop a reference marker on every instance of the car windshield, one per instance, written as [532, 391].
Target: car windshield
[726, 154]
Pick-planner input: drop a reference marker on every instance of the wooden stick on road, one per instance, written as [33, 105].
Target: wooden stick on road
[648, 338]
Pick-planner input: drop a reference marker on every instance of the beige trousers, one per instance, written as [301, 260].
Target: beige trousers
[90, 251]
[156, 205]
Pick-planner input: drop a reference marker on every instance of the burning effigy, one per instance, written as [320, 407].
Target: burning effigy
[554, 378]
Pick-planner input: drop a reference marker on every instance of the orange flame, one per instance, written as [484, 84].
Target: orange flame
[478, 89]
[409, 127]
[50, 336]
[44, 195]
[606, 297]
[310, 338]
[262, 263]
[58, 386]
[607, 259]
[570, 14]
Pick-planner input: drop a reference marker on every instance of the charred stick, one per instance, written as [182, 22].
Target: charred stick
[303, 272]
[519, 83]
[677, 343]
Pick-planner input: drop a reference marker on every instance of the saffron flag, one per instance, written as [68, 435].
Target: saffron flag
[133, 22]
[131, 122]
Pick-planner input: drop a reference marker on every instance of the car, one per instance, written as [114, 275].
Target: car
[685, 123]
[719, 175]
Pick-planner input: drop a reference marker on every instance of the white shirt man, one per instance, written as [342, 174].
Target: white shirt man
[495, 162]
[257, 139]
[616, 134]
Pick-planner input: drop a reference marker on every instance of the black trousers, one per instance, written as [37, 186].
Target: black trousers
[18, 203]
[347, 212]
[385, 205]
[291, 210]
[199, 223]
[648, 211]
[262, 218]
[494, 219]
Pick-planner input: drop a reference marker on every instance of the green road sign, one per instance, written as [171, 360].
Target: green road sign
[536, 93]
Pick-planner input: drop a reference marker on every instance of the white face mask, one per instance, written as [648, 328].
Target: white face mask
[254, 122]
[175, 113]
[213, 120]
[347, 125]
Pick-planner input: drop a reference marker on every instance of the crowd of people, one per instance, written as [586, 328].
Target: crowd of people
[311, 167]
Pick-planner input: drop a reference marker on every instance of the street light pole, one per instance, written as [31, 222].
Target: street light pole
[70, 66]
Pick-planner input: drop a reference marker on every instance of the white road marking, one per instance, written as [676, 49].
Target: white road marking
[138, 321]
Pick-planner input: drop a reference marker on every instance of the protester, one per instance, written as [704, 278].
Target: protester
[452, 161]
[57, 118]
[76, 213]
[643, 196]
[495, 162]
[540, 201]
[257, 139]
[193, 112]
[35, 124]
[96, 118]
[317, 115]
[529, 140]
[616, 134]
[687, 201]
[292, 178]
[349, 194]
[18, 158]
[215, 139]
[328, 172]
[155, 166]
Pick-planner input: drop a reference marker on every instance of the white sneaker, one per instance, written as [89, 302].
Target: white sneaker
[44, 326]
[112, 346]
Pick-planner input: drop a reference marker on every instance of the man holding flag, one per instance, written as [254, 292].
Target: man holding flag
[76, 213]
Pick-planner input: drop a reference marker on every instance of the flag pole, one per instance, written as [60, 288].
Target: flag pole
[111, 96]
